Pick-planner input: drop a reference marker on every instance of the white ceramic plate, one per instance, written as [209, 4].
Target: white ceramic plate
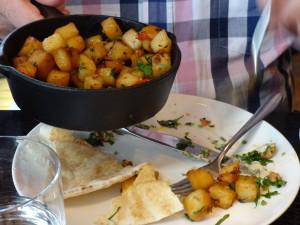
[84, 210]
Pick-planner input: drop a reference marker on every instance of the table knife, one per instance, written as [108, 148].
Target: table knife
[194, 150]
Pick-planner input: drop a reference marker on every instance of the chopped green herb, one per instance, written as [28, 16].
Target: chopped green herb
[223, 139]
[267, 182]
[270, 194]
[170, 123]
[253, 156]
[222, 219]
[263, 202]
[205, 153]
[143, 126]
[98, 138]
[184, 143]
[211, 125]
[214, 142]
[94, 139]
[189, 124]
[283, 154]
[117, 210]
[145, 68]
[244, 142]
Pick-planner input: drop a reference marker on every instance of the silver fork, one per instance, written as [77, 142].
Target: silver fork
[182, 187]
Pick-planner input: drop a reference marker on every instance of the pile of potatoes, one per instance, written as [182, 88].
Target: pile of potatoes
[115, 59]
[229, 186]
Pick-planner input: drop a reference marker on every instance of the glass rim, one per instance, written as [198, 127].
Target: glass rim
[54, 179]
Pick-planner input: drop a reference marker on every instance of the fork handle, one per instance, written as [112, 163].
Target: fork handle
[265, 109]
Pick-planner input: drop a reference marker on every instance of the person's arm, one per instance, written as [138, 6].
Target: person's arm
[21, 12]
[285, 13]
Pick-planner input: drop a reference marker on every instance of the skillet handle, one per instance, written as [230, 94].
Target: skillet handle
[47, 11]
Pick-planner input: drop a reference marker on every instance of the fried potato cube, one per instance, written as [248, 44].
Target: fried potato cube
[93, 82]
[107, 75]
[229, 173]
[161, 64]
[93, 40]
[96, 52]
[233, 167]
[30, 45]
[146, 35]
[44, 63]
[119, 51]
[197, 204]
[53, 42]
[27, 68]
[126, 79]
[75, 80]
[19, 60]
[86, 68]
[74, 58]
[161, 42]
[63, 59]
[111, 28]
[68, 31]
[149, 32]
[136, 56]
[130, 38]
[108, 45]
[77, 43]
[222, 195]
[246, 188]
[200, 178]
[114, 64]
[127, 183]
[59, 78]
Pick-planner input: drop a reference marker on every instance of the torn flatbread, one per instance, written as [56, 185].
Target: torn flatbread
[148, 200]
[84, 167]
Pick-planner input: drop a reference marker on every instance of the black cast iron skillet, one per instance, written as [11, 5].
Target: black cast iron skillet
[80, 109]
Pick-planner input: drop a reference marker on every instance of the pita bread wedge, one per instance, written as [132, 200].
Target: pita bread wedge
[148, 200]
[84, 168]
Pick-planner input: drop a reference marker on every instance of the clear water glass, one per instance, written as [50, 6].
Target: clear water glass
[30, 183]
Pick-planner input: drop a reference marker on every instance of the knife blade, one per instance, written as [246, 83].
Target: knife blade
[194, 150]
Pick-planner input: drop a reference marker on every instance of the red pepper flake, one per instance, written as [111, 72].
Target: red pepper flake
[204, 122]
[142, 36]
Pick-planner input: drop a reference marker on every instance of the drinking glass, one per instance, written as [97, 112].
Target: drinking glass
[30, 183]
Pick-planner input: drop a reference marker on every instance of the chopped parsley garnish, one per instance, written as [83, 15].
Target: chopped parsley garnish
[223, 139]
[189, 124]
[244, 142]
[205, 153]
[270, 194]
[98, 138]
[184, 143]
[143, 126]
[222, 219]
[254, 156]
[267, 182]
[112, 216]
[263, 202]
[145, 68]
[170, 123]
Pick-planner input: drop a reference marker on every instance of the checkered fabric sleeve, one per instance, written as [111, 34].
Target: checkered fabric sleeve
[215, 39]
